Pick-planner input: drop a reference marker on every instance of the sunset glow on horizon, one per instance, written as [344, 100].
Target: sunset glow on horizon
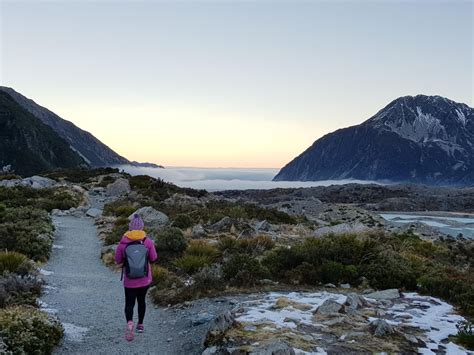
[234, 83]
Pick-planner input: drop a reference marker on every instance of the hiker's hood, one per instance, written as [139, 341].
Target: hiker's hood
[132, 236]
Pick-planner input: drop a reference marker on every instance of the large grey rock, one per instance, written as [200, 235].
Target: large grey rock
[198, 231]
[389, 294]
[263, 226]
[223, 225]
[93, 212]
[329, 307]
[153, 219]
[218, 325]
[38, 182]
[118, 187]
[354, 302]
[273, 347]
[381, 328]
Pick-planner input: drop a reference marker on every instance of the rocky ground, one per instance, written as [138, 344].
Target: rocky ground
[340, 322]
[88, 296]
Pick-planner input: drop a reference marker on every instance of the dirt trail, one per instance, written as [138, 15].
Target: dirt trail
[88, 298]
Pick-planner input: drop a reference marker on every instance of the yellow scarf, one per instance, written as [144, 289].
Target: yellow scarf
[135, 235]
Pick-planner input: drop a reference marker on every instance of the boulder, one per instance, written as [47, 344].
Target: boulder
[218, 326]
[380, 328]
[10, 183]
[119, 187]
[354, 302]
[329, 307]
[198, 231]
[153, 219]
[223, 225]
[273, 347]
[385, 295]
[38, 182]
[93, 212]
[263, 226]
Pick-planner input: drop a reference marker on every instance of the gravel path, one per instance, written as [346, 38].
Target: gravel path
[88, 298]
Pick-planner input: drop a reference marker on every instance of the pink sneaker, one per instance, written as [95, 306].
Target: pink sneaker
[140, 328]
[129, 331]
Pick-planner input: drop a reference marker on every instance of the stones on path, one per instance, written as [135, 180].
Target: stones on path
[93, 212]
[273, 347]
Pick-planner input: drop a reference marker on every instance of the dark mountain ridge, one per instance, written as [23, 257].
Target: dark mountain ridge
[93, 151]
[418, 139]
[29, 145]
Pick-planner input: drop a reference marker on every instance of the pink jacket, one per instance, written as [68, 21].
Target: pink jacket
[129, 237]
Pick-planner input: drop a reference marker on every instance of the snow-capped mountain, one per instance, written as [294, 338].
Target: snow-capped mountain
[422, 139]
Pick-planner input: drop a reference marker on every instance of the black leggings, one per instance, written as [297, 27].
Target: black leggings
[132, 294]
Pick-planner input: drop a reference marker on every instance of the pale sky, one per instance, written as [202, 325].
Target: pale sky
[231, 83]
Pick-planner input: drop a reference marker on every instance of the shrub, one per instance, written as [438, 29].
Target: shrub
[335, 272]
[282, 259]
[13, 262]
[79, 175]
[255, 246]
[182, 221]
[304, 273]
[27, 330]
[242, 270]
[47, 199]
[202, 248]
[465, 334]
[164, 279]
[16, 290]
[390, 270]
[120, 208]
[209, 278]
[119, 229]
[171, 239]
[28, 231]
[192, 263]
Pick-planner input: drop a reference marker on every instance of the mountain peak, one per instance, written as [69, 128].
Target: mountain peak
[428, 139]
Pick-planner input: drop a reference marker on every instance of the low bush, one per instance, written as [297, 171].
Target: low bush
[79, 175]
[192, 263]
[253, 246]
[46, 199]
[119, 229]
[120, 208]
[243, 270]
[465, 335]
[202, 248]
[390, 270]
[14, 262]
[182, 221]
[27, 231]
[17, 290]
[164, 279]
[171, 240]
[26, 330]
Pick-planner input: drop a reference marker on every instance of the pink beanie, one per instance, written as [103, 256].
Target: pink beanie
[136, 223]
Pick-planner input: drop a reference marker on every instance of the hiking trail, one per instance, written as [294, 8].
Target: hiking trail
[88, 298]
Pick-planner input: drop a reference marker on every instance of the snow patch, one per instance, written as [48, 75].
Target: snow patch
[461, 116]
[45, 272]
[73, 332]
[55, 246]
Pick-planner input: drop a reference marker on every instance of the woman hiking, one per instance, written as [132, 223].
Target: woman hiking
[135, 251]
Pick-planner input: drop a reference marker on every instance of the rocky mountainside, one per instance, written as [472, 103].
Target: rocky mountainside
[420, 139]
[29, 145]
[93, 151]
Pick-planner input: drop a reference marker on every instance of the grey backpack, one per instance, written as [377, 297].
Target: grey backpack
[136, 260]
